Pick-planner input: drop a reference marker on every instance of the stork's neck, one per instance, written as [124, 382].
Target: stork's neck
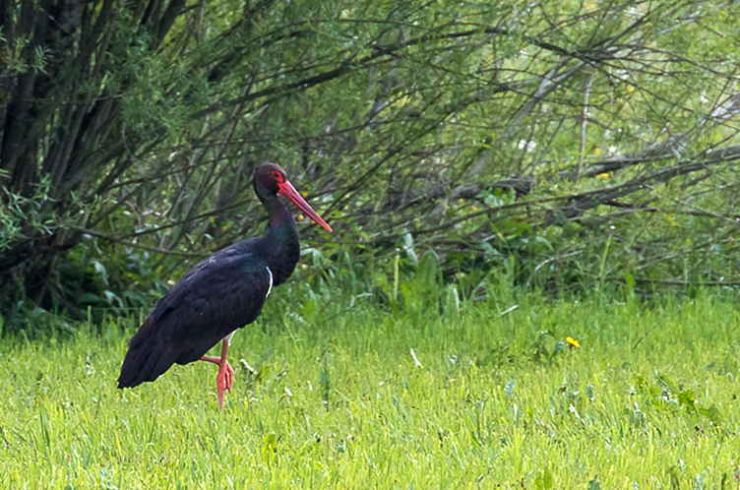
[281, 248]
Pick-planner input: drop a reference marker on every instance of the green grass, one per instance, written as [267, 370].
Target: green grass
[649, 400]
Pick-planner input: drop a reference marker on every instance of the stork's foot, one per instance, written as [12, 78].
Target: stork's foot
[224, 381]
[224, 378]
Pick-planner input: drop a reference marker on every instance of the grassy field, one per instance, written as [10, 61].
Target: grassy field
[353, 397]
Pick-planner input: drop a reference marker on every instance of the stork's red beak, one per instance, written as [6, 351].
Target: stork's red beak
[286, 189]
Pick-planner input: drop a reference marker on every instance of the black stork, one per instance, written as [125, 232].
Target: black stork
[220, 294]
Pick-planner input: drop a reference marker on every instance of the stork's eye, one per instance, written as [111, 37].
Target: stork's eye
[278, 176]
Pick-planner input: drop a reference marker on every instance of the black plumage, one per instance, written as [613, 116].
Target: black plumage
[221, 293]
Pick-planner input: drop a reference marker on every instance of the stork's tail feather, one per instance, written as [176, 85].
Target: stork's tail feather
[147, 358]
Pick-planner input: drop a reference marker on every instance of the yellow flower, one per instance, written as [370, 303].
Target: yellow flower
[572, 342]
[604, 176]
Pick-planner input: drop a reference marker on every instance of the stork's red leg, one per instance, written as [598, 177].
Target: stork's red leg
[225, 376]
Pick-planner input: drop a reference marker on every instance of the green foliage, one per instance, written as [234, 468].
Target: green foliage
[336, 399]
[565, 147]
[22, 217]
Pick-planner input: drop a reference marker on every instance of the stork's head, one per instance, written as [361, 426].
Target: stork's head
[270, 180]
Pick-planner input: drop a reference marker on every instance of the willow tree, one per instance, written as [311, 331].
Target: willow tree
[551, 132]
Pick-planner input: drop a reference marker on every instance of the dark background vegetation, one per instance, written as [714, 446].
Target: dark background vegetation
[564, 146]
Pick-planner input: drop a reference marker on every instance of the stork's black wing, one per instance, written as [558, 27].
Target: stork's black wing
[217, 296]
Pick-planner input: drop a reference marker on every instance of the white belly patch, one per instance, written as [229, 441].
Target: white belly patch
[269, 289]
